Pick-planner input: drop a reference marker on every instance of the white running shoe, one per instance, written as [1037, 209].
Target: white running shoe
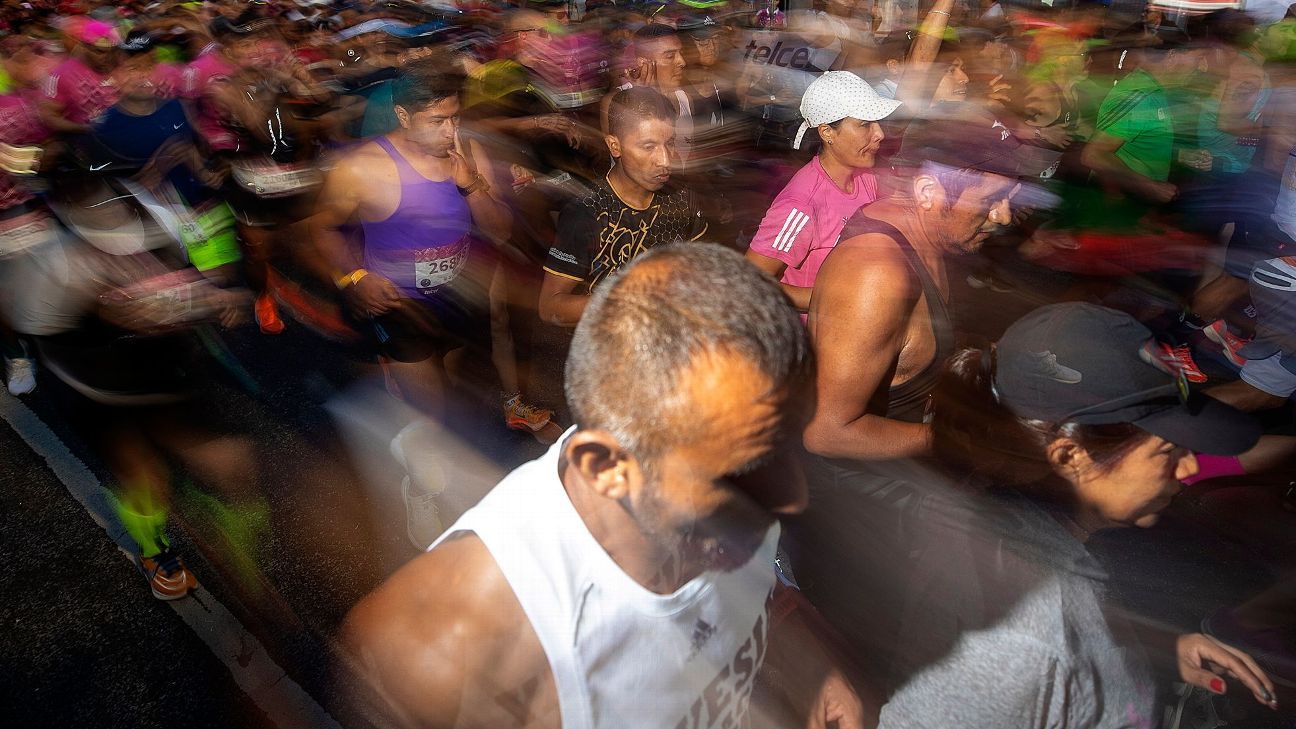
[424, 481]
[422, 518]
[20, 372]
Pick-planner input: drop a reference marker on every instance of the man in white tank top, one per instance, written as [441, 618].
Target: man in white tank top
[624, 578]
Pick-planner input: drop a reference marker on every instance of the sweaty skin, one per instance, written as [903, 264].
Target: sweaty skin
[868, 301]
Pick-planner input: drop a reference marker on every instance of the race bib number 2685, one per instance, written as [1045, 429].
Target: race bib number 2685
[435, 267]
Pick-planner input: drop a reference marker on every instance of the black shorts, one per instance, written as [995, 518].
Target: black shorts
[423, 328]
[115, 369]
[268, 212]
[1251, 247]
[103, 383]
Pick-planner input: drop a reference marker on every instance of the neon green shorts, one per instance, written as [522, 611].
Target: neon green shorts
[210, 237]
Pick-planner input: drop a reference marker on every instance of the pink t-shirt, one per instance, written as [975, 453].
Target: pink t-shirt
[83, 93]
[806, 219]
[168, 79]
[208, 68]
[20, 125]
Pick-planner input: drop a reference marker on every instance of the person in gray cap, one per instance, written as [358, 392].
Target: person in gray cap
[1058, 430]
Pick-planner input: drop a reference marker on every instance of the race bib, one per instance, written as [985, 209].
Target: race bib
[435, 267]
[267, 179]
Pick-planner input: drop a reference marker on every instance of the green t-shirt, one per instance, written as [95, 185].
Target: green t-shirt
[1137, 111]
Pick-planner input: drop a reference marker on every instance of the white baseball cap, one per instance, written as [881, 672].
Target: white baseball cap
[839, 94]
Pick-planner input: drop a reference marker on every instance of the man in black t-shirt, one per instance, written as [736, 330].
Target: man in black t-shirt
[628, 212]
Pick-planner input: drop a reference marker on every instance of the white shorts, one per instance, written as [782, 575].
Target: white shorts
[1268, 375]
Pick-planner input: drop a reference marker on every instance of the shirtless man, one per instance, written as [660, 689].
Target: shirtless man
[623, 579]
[878, 315]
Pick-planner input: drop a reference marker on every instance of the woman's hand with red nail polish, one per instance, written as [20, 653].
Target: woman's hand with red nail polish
[1202, 660]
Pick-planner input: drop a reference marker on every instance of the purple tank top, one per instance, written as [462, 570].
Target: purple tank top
[424, 244]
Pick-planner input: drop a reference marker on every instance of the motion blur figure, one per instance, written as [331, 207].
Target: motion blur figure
[453, 212]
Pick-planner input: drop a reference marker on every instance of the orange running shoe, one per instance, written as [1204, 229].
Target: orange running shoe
[1173, 360]
[1219, 333]
[167, 575]
[267, 315]
[521, 416]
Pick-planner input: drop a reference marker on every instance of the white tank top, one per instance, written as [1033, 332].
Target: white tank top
[684, 127]
[621, 655]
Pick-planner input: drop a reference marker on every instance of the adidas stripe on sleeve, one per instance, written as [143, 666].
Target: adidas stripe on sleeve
[785, 232]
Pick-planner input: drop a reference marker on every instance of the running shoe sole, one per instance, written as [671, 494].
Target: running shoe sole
[524, 424]
[1214, 335]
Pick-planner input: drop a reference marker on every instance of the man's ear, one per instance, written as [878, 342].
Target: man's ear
[602, 463]
[927, 191]
[402, 117]
[893, 67]
[613, 145]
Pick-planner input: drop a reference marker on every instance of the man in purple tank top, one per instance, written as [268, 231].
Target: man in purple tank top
[418, 285]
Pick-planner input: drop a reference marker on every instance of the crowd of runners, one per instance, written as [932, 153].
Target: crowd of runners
[848, 331]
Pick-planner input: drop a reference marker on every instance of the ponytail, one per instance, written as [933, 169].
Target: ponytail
[976, 434]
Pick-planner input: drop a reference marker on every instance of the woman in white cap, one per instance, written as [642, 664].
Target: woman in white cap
[806, 218]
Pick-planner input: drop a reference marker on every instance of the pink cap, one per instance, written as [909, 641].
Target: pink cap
[95, 32]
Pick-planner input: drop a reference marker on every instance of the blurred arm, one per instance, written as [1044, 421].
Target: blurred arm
[804, 674]
[339, 201]
[914, 85]
[1100, 156]
[489, 214]
[558, 304]
[800, 295]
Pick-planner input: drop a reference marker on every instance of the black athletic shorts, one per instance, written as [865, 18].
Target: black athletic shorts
[104, 381]
[1246, 250]
[422, 328]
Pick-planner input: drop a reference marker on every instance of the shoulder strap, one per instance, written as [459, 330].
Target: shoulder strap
[408, 175]
[942, 325]
[865, 224]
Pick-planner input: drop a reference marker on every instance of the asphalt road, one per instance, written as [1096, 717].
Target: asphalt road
[83, 642]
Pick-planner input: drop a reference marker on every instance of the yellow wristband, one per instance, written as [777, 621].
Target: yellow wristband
[350, 279]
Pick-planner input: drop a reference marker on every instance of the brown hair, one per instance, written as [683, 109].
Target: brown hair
[975, 433]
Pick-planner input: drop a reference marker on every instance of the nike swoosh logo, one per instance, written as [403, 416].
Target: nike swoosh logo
[177, 126]
[1049, 367]
[96, 168]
